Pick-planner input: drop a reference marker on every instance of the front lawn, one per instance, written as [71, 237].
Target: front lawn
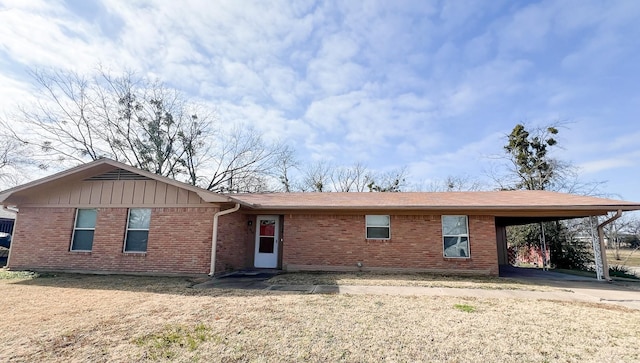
[66, 317]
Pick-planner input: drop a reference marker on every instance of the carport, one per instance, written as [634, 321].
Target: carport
[570, 207]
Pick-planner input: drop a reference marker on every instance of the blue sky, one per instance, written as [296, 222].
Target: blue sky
[431, 85]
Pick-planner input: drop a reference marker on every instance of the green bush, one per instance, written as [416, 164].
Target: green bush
[622, 271]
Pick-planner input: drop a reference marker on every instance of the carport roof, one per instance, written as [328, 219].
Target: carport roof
[532, 203]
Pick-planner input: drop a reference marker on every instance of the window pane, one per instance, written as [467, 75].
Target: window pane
[266, 245]
[456, 246]
[377, 232]
[136, 241]
[86, 218]
[454, 225]
[268, 228]
[139, 218]
[377, 220]
[82, 240]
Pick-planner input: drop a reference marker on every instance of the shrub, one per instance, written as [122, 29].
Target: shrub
[621, 271]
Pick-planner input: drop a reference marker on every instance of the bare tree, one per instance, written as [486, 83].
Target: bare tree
[452, 184]
[317, 178]
[286, 162]
[391, 181]
[616, 230]
[142, 123]
[324, 177]
[127, 118]
[241, 162]
[350, 179]
[59, 126]
[14, 157]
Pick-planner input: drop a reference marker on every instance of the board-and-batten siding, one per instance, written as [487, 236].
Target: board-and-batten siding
[117, 193]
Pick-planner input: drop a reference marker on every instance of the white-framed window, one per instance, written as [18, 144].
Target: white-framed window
[83, 230]
[455, 236]
[137, 233]
[378, 226]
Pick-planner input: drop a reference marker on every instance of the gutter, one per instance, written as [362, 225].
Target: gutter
[214, 237]
[603, 251]
[579, 208]
[9, 209]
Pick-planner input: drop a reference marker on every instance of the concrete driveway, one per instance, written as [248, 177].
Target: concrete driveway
[566, 288]
[539, 274]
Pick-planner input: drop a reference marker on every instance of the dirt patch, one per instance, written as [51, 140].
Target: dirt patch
[65, 318]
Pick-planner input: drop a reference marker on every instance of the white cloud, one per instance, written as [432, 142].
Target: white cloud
[422, 83]
[463, 159]
[597, 166]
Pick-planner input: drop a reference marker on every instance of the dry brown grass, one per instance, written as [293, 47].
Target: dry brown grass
[628, 257]
[404, 279]
[77, 318]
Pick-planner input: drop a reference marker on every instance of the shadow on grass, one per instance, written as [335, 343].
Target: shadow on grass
[183, 286]
[294, 283]
[416, 279]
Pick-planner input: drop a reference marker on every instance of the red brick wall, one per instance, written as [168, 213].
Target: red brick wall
[416, 243]
[235, 242]
[179, 241]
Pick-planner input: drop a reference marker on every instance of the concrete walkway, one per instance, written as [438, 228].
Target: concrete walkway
[580, 290]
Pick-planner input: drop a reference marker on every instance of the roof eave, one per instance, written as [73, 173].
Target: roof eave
[505, 210]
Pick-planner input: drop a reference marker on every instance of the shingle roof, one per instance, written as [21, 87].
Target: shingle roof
[494, 200]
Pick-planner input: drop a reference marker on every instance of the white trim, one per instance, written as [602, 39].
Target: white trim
[366, 227]
[127, 229]
[130, 205]
[456, 235]
[75, 228]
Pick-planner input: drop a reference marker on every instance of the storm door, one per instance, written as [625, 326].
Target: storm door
[266, 252]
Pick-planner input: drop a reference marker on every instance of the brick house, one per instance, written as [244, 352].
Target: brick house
[105, 216]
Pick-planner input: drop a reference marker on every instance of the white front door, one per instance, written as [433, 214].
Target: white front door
[267, 229]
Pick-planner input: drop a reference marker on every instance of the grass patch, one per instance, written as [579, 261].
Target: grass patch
[168, 343]
[17, 275]
[628, 257]
[465, 307]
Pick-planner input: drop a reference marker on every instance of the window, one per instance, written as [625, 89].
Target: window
[83, 230]
[378, 227]
[455, 234]
[137, 230]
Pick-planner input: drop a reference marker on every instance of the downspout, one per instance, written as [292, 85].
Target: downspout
[214, 237]
[603, 251]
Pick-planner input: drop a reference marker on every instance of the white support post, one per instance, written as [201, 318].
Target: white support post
[544, 247]
[595, 243]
